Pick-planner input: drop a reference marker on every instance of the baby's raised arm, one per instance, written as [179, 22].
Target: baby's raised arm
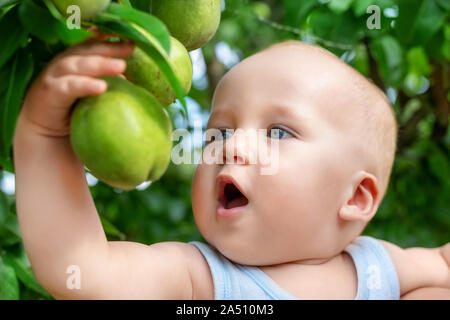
[421, 267]
[58, 219]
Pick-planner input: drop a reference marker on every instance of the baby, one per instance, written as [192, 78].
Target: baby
[293, 234]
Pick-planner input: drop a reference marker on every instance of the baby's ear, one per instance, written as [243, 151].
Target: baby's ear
[363, 201]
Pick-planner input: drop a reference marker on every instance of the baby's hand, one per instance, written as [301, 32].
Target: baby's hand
[53, 198]
[69, 76]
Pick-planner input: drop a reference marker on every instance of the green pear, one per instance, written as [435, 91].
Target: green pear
[143, 71]
[192, 22]
[122, 136]
[88, 8]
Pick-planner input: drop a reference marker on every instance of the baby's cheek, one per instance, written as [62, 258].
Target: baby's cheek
[296, 188]
[200, 189]
[297, 175]
[203, 199]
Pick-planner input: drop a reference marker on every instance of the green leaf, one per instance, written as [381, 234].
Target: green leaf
[418, 61]
[430, 20]
[444, 4]
[445, 49]
[233, 8]
[54, 10]
[10, 231]
[342, 29]
[410, 108]
[12, 34]
[22, 70]
[339, 6]
[361, 60]
[230, 31]
[233, 5]
[7, 164]
[5, 73]
[413, 83]
[261, 10]
[360, 7]
[41, 23]
[438, 165]
[143, 5]
[4, 208]
[25, 274]
[438, 48]
[9, 286]
[125, 3]
[7, 238]
[110, 23]
[7, 3]
[297, 11]
[149, 23]
[389, 55]
[404, 24]
[418, 21]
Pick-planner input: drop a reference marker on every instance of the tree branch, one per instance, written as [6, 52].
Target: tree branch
[373, 67]
[439, 100]
[215, 71]
[407, 132]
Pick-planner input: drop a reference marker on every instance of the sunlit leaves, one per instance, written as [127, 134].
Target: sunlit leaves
[390, 56]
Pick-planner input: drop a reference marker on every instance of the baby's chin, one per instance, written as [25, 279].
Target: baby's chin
[241, 254]
[244, 252]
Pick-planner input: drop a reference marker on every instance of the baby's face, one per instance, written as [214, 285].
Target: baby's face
[290, 214]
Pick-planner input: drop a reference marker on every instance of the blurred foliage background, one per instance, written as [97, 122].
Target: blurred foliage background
[407, 56]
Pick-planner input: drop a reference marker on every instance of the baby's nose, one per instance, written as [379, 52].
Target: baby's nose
[238, 149]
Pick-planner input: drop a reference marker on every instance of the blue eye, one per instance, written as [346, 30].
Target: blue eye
[278, 133]
[225, 133]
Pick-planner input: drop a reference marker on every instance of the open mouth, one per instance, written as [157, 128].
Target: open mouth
[230, 196]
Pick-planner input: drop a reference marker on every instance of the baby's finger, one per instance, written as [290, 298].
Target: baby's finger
[116, 49]
[71, 87]
[100, 36]
[92, 66]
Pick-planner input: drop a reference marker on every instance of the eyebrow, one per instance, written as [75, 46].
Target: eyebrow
[291, 113]
[217, 113]
[284, 110]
